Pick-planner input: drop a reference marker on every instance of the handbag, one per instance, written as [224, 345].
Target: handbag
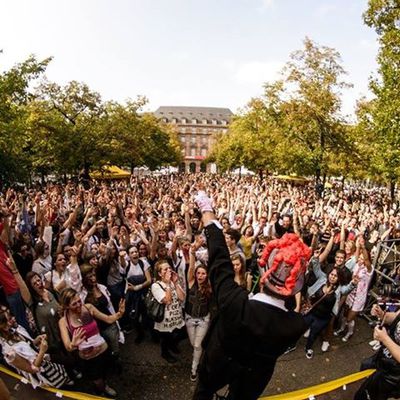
[155, 310]
[306, 307]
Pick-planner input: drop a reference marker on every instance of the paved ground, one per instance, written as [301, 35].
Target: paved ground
[146, 376]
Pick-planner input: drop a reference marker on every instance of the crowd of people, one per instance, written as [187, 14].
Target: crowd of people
[77, 264]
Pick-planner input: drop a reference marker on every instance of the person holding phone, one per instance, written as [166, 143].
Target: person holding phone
[168, 291]
[384, 383]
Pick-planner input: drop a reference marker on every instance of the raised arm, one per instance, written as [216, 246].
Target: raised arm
[324, 255]
[109, 319]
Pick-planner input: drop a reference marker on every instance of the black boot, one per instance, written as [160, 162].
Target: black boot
[168, 357]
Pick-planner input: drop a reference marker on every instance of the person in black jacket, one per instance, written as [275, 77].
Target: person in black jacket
[384, 383]
[248, 335]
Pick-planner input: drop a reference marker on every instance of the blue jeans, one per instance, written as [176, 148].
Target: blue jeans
[17, 308]
[317, 325]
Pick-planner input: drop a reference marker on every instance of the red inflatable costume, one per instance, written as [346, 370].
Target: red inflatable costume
[286, 259]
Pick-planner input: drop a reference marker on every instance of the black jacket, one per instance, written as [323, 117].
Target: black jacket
[251, 332]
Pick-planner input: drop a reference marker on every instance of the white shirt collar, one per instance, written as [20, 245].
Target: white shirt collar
[264, 298]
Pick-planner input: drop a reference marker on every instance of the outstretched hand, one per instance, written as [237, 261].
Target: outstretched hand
[203, 201]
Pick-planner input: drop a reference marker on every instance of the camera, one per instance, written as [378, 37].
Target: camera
[390, 291]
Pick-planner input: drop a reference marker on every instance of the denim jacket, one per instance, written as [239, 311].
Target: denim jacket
[322, 279]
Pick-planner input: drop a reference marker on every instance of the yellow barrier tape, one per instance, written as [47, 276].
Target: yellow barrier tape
[316, 390]
[66, 393]
[301, 394]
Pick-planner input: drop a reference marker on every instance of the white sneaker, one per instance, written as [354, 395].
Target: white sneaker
[339, 332]
[373, 343]
[309, 354]
[325, 346]
[306, 333]
[346, 337]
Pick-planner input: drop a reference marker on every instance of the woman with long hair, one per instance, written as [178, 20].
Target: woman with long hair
[79, 331]
[98, 295]
[27, 355]
[44, 307]
[197, 308]
[356, 300]
[242, 277]
[324, 296]
[56, 278]
[167, 290]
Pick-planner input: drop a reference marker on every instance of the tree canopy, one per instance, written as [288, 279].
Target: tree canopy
[53, 129]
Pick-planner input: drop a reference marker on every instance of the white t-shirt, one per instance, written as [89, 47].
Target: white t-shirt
[134, 269]
[42, 265]
[54, 277]
[173, 317]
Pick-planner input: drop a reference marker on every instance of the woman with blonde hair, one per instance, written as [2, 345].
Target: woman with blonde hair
[79, 331]
[167, 290]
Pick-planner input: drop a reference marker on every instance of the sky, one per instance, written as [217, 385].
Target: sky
[215, 53]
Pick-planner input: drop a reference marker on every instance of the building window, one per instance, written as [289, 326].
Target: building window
[183, 139]
[193, 151]
[193, 139]
[204, 139]
[223, 122]
[183, 120]
[174, 120]
[194, 121]
[183, 130]
[204, 122]
[214, 122]
[203, 152]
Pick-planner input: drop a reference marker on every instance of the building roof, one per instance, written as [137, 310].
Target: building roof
[190, 113]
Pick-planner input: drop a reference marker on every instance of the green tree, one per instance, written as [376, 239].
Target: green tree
[297, 124]
[252, 140]
[312, 123]
[383, 114]
[15, 94]
[139, 139]
[66, 128]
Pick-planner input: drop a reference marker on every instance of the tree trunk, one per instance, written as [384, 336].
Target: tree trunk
[392, 188]
[317, 175]
[42, 178]
[132, 167]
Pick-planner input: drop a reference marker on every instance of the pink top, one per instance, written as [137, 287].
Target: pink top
[89, 325]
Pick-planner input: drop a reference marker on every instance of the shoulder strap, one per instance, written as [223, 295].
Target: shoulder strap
[141, 265]
[319, 301]
[160, 286]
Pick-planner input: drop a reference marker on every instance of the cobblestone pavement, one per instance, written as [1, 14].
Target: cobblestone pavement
[146, 376]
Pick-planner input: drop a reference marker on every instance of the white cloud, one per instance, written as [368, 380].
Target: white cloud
[258, 72]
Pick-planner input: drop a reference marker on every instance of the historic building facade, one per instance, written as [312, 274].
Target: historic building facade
[197, 128]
